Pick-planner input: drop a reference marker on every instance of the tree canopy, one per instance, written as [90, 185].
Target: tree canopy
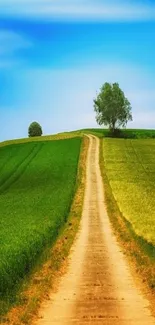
[35, 129]
[112, 107]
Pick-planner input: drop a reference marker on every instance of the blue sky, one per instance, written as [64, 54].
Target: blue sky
[55, 55]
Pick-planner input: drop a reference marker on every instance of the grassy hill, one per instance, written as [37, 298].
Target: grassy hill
[37, 185]
[99, 132]
[59, 136]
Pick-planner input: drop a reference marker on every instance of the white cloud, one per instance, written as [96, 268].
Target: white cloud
[106, 10]
[143, 119]
[142, 98]
[11, 42]
[143, 103]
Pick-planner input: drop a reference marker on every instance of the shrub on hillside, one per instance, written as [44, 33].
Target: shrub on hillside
[35, 130]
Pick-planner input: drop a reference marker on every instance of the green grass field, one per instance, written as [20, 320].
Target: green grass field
[37, 184]
[130, 167]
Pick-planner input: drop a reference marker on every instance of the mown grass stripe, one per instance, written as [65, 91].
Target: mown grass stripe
[34, 206]
[19, 169]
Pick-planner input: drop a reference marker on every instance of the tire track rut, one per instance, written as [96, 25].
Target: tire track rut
[98, 287]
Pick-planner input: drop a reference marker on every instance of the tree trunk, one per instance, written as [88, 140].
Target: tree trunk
[113, 127]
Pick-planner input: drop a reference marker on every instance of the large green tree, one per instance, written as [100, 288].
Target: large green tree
[34, 130]
[112, 107]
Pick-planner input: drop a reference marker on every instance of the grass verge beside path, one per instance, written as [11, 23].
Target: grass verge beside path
[37, 286]
[140, 253]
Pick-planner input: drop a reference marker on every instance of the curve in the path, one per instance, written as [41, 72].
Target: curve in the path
[98, 287]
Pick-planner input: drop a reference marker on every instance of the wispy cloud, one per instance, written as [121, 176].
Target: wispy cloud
[107, 10]
[11, 41]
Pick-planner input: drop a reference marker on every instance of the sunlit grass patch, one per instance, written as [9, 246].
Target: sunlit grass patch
[130, 168]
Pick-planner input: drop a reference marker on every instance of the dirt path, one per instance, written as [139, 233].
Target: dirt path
[98, 287]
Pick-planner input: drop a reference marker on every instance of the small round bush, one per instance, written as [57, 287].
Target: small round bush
[35, 130]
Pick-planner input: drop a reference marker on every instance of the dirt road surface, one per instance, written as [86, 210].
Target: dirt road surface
[97, 287]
